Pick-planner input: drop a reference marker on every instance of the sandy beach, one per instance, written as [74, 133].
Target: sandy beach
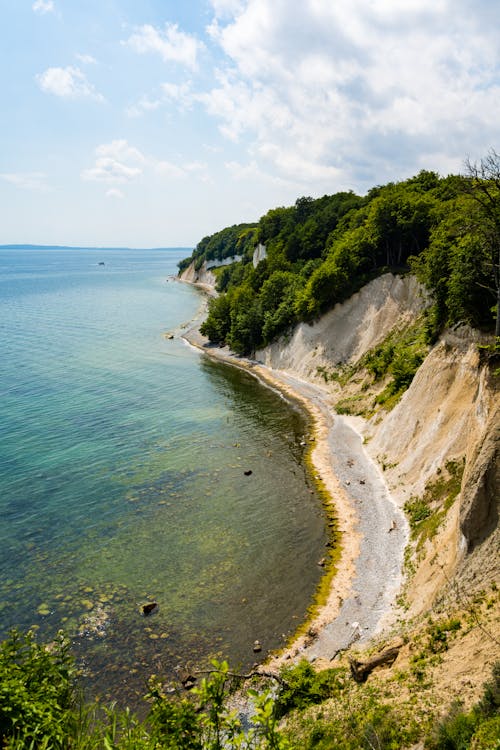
[373, 530]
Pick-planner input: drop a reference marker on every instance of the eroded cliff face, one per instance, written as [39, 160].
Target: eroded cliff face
[202, 276]
[479, 508]
[350, 329]
[448, 415]
[479, 511]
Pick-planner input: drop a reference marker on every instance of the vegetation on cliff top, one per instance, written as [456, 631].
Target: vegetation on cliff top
[320, 251]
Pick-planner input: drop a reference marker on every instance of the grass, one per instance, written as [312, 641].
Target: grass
[388, 369]
[427, 513]
[397, 359]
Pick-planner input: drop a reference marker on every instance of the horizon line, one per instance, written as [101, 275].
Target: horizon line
[28, 245]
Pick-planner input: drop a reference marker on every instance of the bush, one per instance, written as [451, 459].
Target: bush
[303, 686]
[417, 511]
[37, 693]
[455, 731]
[487, 737]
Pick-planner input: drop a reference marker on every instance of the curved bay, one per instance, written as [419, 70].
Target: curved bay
[122, 475]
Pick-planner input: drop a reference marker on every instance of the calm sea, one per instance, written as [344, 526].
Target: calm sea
[122, 459]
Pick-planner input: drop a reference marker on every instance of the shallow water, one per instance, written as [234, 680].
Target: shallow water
[122, 475]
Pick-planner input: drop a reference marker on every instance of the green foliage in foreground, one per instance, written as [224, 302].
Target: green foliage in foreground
[38, 706]
[329, 711]
[40, 709]
[320, 251]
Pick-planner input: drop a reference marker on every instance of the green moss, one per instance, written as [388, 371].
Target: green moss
[334, 542]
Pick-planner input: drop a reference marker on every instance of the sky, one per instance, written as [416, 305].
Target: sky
[153, 123]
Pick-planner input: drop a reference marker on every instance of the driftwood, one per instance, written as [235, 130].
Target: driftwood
[360, 670]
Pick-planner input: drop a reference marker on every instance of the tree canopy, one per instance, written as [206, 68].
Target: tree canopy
[319, 251]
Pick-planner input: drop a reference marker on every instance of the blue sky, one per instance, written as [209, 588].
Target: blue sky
[154, 123]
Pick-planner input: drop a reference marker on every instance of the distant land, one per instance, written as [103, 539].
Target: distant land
[86, 247]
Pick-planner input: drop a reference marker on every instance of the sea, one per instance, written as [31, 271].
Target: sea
[125, 460]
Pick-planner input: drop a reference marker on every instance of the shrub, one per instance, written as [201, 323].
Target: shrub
[303, 686]
[37, 693]
[455, 731]
[487, 737]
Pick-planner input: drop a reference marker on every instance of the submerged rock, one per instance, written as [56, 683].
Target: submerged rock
[188, 680]
[149, 608]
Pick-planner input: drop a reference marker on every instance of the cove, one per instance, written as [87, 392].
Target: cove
[123, 476]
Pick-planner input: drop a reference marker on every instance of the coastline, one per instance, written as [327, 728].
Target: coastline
[363, 574]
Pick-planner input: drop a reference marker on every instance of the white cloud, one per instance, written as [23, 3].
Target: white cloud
[26, 180]
[116, 162]
[43, 6]
[110, 170]
[351, 93]
[145, 104]
[168, 169]
[171, 44]
[182, 171]
[114, 193]
[226, 8]
[120, 150]
[179, 93]
[251, 172]
[69, 82]
[86, 59]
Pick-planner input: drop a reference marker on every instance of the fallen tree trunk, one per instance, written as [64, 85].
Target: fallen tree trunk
[360, 670]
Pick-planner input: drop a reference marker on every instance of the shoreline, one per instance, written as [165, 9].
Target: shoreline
[364, 574]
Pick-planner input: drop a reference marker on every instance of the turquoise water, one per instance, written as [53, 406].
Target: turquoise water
[122, 459]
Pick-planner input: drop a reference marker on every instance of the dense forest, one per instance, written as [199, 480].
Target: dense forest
[446, 230]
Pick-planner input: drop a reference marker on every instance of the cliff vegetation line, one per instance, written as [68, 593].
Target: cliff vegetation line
[320, 251]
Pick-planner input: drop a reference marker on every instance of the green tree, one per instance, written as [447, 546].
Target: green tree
[218, 322]
[483, 185]
[456, 265]
[277, 303]
[245, 334]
